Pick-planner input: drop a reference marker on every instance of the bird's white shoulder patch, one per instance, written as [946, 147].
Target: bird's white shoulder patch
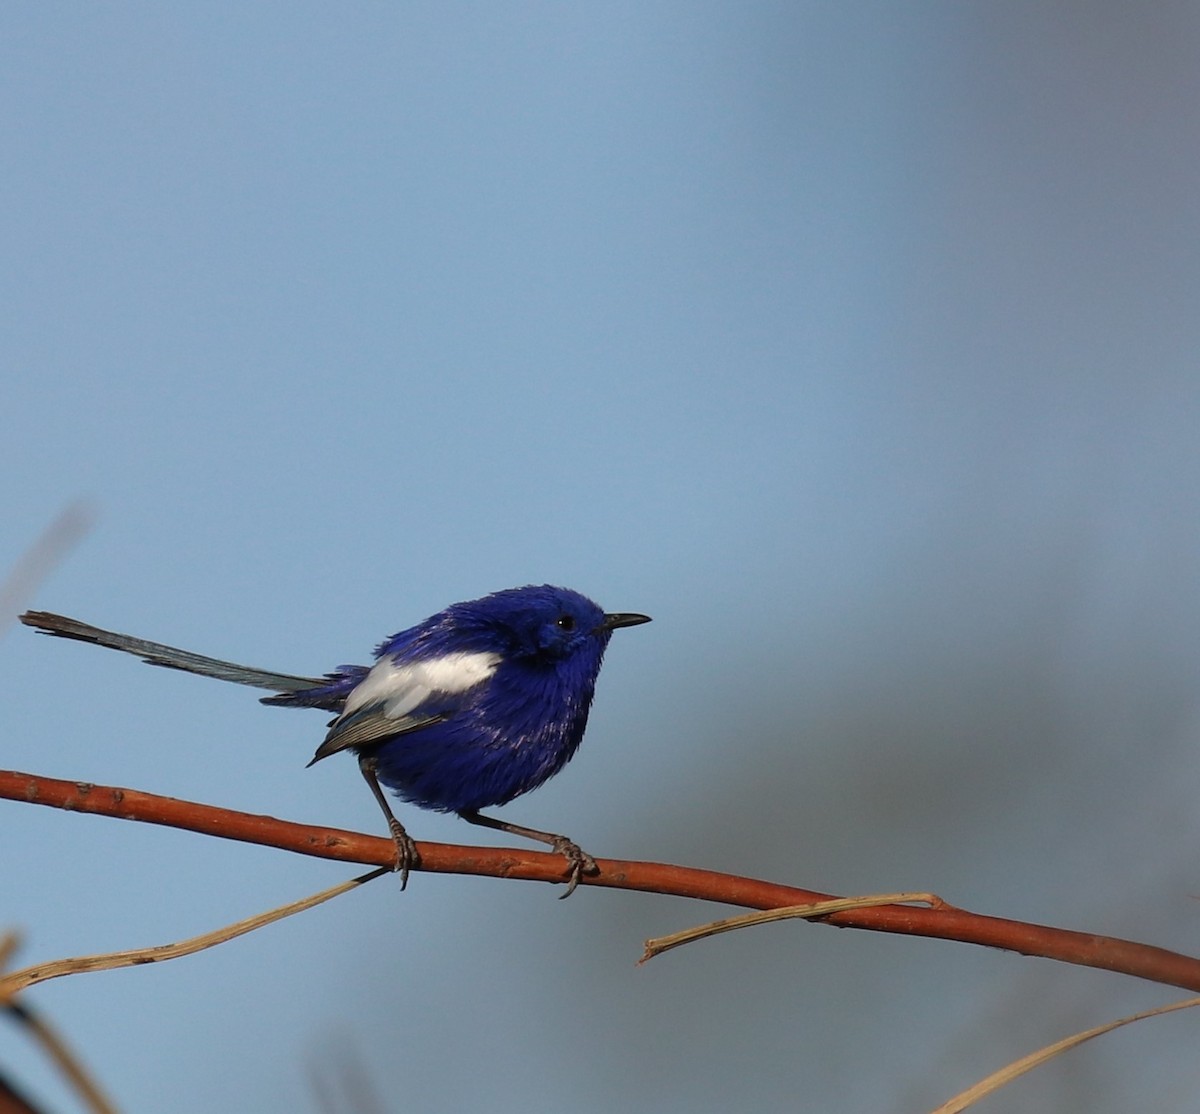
[403, 687]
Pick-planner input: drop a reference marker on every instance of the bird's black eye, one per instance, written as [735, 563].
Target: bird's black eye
[565, 622]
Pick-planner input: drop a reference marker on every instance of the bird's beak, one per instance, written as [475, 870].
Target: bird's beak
[623, 619]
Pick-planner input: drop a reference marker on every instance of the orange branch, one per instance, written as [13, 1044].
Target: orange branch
[941, 922]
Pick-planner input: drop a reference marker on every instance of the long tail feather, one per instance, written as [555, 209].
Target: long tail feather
[154, 653]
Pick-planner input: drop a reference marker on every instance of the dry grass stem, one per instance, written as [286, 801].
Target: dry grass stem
[1027, 1063]
[13, 984]
[809, 911]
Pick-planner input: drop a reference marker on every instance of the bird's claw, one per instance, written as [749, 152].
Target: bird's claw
[579, 863]
[407, 855]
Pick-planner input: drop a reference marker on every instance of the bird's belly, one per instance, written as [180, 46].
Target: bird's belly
[455, 767]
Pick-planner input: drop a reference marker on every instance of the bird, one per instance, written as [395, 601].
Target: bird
[468, 709]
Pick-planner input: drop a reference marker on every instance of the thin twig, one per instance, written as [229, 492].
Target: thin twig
[947, 923]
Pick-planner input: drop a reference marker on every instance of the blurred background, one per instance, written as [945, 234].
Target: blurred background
[855, 344]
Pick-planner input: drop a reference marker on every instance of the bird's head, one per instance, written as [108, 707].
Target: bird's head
[551, 623]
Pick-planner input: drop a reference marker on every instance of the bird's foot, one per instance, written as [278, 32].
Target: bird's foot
[579, 863]
[407, 855]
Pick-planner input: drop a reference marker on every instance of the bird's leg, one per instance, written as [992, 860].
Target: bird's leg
[580, 861]
[406, 851]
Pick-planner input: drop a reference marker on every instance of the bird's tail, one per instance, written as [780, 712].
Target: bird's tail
[154, 653]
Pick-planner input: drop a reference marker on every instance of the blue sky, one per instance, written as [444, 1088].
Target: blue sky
[856, 346]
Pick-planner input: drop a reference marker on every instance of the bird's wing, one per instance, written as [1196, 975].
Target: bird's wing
[369, 726]
[399, 696]
[154, 653]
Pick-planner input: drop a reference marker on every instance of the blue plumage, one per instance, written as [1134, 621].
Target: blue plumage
[470, 708]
